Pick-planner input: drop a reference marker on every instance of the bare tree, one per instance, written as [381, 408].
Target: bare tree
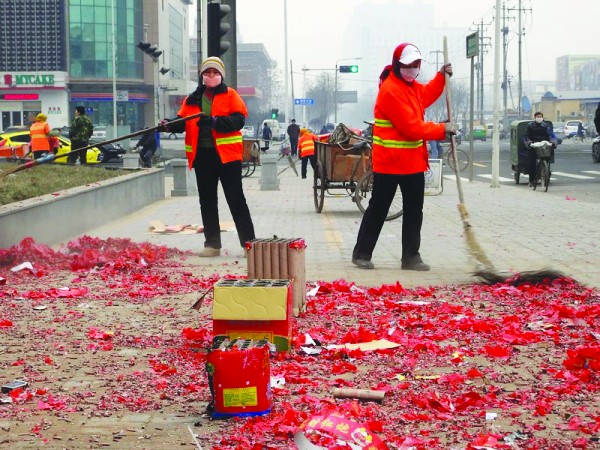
[322, 91]
[438, 112]
[272, 89]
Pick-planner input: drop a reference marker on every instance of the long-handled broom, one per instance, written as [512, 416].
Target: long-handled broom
[52, 157]
[485, 269]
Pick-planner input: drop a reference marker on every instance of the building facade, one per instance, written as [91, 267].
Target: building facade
[58, 54]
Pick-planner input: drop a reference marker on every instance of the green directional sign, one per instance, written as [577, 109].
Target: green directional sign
[473, 45]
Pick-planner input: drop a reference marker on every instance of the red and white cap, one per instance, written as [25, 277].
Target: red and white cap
[410, 54]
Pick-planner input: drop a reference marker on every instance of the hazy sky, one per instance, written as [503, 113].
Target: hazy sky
[552, 28]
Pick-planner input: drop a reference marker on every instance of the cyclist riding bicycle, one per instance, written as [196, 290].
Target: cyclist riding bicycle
[537, 131]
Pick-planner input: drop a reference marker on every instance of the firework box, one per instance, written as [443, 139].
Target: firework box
[254, 309]
[239, 377]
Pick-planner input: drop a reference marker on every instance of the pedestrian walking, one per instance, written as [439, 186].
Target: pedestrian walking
[267, 135]
[400, 154]
[80, 132]
[214, 149]
[293, 132]
[307, 150]
[435, 150]
[39, 133]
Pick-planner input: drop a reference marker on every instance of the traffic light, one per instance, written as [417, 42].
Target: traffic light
[274, 113]
[349, 69]
[217, 28]
[150, 50]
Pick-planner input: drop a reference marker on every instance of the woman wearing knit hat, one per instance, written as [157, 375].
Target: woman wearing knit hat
[399, 154]
[214, 149]
[39, 131]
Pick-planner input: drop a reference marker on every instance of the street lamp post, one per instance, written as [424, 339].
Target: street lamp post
[335, 103]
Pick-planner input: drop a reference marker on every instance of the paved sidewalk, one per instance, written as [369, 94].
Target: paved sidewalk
[518, 228]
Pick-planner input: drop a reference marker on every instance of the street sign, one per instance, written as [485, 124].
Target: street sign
[122, 96]
[304, 101]
[473, 45]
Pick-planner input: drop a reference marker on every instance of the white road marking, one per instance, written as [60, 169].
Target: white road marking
[571, 175]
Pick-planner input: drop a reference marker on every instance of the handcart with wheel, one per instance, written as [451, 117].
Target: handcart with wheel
[347, 167]
[251, 156]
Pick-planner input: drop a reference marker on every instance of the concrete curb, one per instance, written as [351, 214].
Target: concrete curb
[53, 218]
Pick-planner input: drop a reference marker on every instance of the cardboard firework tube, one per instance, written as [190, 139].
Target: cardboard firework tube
[361, 394]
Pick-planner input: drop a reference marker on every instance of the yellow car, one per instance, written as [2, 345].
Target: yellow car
[18, 138]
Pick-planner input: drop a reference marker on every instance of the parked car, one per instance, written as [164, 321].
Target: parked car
[99, 132]
[14, 128]
[571, 127]
[18, 138]
[248, 131]
[108, 152]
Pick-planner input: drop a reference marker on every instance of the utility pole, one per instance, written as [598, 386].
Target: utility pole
[479, 67]
[520, 33]
[504, 71]
[437, 52]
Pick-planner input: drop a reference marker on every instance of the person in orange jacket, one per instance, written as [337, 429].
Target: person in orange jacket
[400, 154]
[214, 149]
[39, 132]
[306, 146]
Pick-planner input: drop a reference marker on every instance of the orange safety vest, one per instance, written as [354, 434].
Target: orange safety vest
[306, 144]
[39, 137]
[230, 146]
[400, 131]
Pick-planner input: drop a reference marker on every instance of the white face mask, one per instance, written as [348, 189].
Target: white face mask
[410, 74]
[539, 119]
[211, 81]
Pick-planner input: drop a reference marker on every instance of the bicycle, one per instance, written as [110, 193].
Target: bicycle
[543, 153]
[461, 156]
[581, 138]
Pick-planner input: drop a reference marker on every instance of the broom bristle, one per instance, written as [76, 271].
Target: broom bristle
[543, 276]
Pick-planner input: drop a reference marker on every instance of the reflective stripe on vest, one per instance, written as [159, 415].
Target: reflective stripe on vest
[229, 140]
[390, 143]
[39, 136]
[383, 123]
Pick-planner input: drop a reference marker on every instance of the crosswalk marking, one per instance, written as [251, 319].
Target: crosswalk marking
[572, 175]
[592, 172]
[453, 177]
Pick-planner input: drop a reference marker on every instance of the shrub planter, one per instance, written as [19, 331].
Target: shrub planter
[54, 218]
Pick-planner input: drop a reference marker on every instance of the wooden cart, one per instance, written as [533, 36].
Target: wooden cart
[251, 156]
[347, 168]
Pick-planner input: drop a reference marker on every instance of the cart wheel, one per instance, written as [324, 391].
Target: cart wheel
[319, 187]
[248, 167]
[517, 177]
[362, 196]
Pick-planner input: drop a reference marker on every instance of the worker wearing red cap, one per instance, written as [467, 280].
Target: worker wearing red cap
[399, 154]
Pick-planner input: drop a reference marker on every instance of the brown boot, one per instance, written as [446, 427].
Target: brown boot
[208, 252]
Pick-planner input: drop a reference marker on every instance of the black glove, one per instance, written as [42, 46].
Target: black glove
[205, 121]
[163, 126]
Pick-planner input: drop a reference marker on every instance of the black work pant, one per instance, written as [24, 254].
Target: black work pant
[146, 154]
[313, 163]
[209, 170]
[384, 188]
[82, 156]
[294, 145]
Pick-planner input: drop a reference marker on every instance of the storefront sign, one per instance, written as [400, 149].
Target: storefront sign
[20, 97]
[32, 79]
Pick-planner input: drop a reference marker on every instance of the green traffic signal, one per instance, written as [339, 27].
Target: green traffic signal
[349, 69]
